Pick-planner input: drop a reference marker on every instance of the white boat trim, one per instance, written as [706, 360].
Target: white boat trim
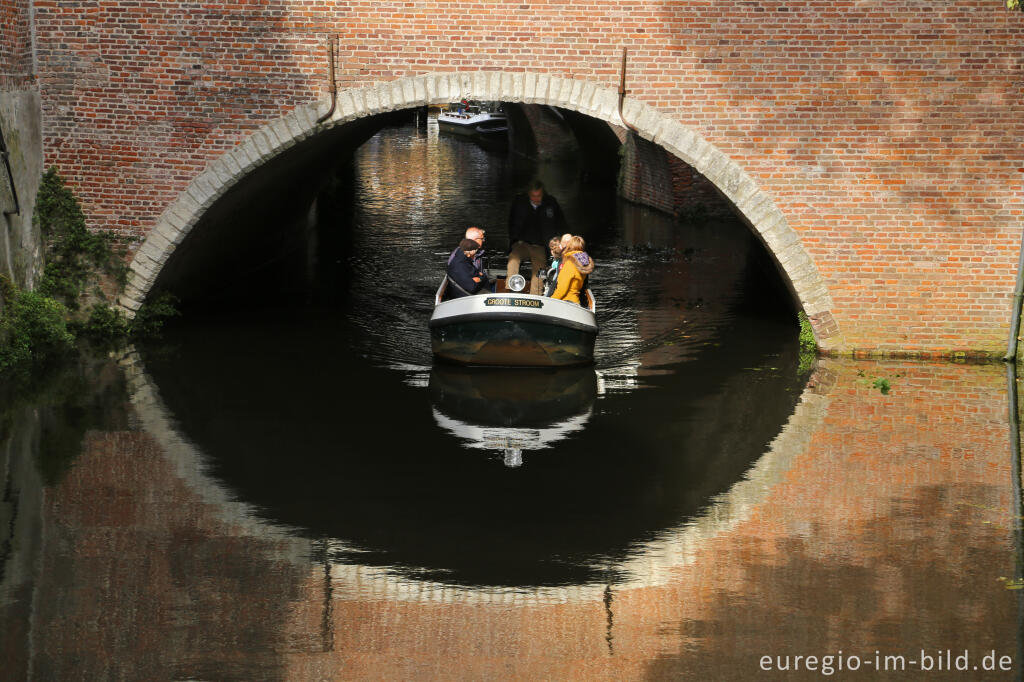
[510, 305]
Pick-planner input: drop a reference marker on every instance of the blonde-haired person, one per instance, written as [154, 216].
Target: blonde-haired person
[551, 276]
[576, 266]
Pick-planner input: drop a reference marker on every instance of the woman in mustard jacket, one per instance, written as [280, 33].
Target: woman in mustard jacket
[572, 273]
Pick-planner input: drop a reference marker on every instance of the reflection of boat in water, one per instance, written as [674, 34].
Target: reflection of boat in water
[513, 329]
[481, 120]
[512, 411]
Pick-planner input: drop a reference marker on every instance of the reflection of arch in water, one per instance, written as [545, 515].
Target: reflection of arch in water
[651, 565]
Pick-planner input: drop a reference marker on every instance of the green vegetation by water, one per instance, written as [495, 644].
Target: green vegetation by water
[76, 259]
[71, 301]
[808, 346]
[883, 384]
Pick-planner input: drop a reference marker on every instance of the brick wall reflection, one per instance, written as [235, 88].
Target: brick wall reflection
[139, 579]
[888, 529]
[890, 532]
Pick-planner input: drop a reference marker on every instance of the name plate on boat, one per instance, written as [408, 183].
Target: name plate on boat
[515, 302]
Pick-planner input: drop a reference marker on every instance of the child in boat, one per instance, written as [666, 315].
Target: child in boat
[576, 265]
[466, 279]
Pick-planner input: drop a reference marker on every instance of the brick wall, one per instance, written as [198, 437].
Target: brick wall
[553, 138]
[646, 177]
[693, 194]
[886, 133]
[15, 44]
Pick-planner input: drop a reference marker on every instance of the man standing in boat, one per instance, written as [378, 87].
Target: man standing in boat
[535, 217]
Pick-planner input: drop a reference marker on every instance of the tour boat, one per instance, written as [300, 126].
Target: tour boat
[509, 328]
[483, 120]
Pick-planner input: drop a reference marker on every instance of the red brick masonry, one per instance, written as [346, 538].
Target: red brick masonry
[888, 134]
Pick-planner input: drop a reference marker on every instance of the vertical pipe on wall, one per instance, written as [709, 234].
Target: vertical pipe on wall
[1017, 512]
[622, 93]
[1018, 293]
[334, 83]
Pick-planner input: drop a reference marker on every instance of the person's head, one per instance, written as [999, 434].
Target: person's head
[555, 245]
[564, 241]
[575, 243]
[476, 234]
[536, 192]
[468, 247]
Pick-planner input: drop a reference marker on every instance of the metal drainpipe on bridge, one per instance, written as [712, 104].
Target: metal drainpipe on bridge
[622, 93]
[5, 155]
[334, 82]
[1018, 294]
[1018, 504]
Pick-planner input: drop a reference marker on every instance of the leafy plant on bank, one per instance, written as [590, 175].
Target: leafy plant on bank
[808, 346]
[33, 327]
[150, 318]
[41, 325]
[107, 324]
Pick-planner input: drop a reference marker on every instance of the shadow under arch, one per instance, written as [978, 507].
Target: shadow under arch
[755, 206]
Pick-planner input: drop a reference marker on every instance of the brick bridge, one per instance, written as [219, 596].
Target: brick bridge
[873, 146]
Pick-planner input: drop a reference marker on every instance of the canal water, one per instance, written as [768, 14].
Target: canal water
[298, 492]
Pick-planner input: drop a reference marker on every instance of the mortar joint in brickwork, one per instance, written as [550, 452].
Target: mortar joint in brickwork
[680, 141]
[175, 218]
[544, 84]
[774, 231]
[199, 195]
[307, 114]
[280, 130]
[419, 89]
[713, 171]
[271, 146]
[223, 175]
[295, 128]
[431, 87]
[512, 85]
[530, 87]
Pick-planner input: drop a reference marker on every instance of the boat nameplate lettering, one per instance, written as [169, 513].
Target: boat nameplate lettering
[514, 302]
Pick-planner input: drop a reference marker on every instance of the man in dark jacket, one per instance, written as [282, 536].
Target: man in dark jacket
[477, 235]
[464, 277]
[535, 217]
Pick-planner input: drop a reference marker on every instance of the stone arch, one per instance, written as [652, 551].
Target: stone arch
[754, 205]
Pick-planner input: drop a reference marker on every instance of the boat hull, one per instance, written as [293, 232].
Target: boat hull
[479, 133]
[520, 330]
[512, 343]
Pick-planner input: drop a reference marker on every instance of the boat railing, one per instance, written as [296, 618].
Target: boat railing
[439, 296]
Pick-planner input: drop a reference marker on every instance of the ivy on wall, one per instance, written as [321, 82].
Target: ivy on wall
[69, 303]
